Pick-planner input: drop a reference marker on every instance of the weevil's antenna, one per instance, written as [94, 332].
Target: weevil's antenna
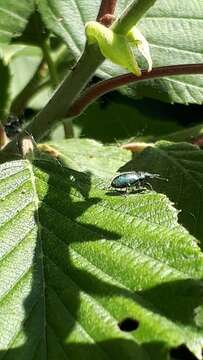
[164, 179]
[159, 177]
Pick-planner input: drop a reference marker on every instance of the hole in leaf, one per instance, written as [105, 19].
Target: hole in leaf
[182, 353]
[128, 324]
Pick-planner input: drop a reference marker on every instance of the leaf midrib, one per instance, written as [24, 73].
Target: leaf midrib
[39, 238]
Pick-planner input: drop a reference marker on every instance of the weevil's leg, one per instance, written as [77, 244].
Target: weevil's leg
[139, 185]
[128, 190]
[141, 189]
[149, 186]
[122, 191]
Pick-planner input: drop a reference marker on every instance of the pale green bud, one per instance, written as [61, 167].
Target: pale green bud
[118, 48]
[113, 46]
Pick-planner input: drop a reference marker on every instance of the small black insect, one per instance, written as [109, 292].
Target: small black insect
[133, 179]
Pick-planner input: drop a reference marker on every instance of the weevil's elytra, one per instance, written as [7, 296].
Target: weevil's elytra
[133, 179]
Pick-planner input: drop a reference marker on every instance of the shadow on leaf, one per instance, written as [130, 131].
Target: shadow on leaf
[58, 321]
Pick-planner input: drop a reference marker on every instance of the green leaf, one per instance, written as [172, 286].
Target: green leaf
[77, 260]
[173, 30]
[23, 66]
[22, 63]
[14, 16]
[87, 155]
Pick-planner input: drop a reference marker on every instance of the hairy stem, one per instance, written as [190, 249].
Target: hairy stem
[103, 87]
[68, 128]
[131, 15]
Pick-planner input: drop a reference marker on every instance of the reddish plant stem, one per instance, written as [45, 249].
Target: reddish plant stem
[103, 87]
[106, 12]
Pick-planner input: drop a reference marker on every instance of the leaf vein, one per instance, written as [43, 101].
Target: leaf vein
[12, 14]
[36, 201]
[173, 48]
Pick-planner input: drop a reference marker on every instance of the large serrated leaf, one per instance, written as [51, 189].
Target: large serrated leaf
[172, 28]
[77, 260]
